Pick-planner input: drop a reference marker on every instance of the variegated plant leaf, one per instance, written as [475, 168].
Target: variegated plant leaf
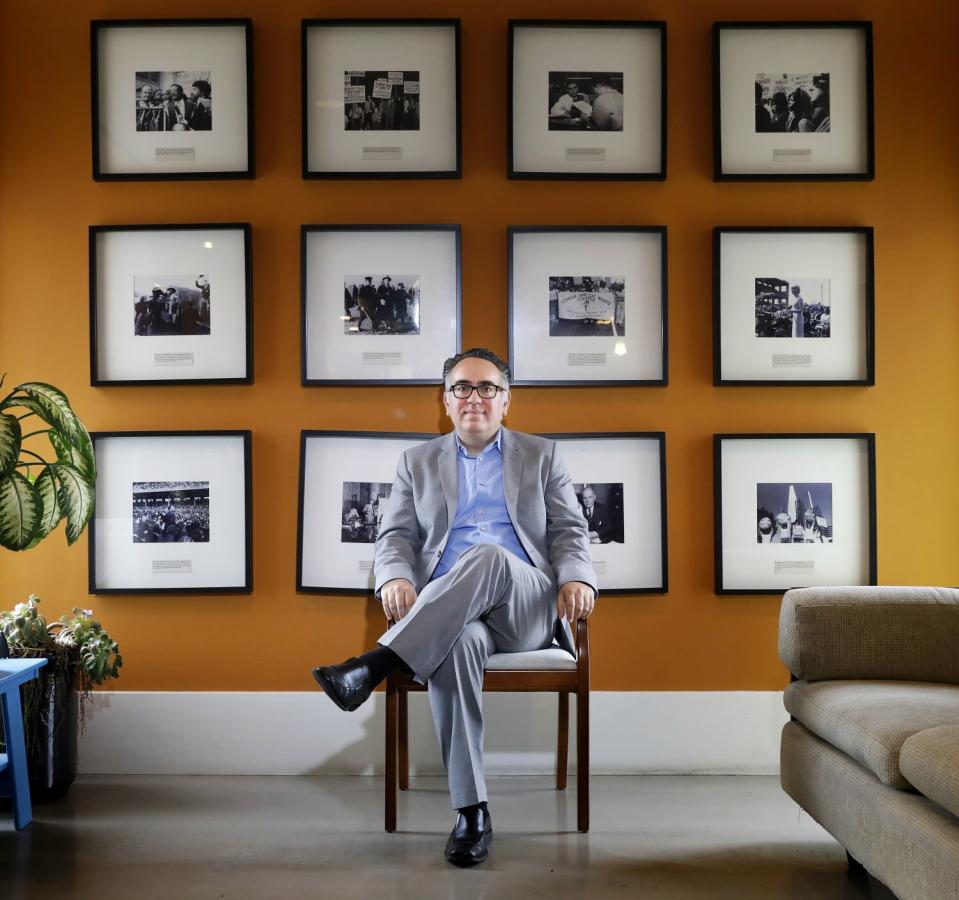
[51, 514]
[10, 433]
[47, 402]
[79, 455]
[20, 511]
[76, 496]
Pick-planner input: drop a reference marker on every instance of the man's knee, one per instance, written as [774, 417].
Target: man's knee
[474, 643]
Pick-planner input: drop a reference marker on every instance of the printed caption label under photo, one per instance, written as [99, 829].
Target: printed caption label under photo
[792, 154]
[173, 359]
[794, 566]
[172, 566]
[384, 154]
[382, 358]
[791, 360]
[364, 566]
[586, 359]
[174, 154]
[585, 154]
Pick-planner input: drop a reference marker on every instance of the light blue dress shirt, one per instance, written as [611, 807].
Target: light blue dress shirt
[481, 514]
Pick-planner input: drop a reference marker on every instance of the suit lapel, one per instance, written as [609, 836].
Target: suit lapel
[512, 474]
[449, 478]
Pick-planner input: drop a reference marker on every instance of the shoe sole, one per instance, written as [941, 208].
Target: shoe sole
[327, 689]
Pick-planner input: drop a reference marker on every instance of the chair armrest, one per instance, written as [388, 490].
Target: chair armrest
[582, 651]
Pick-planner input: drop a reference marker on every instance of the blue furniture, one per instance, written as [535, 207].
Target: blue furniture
[14, 781]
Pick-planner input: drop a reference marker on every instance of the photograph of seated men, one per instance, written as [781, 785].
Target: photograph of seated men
[508, 573]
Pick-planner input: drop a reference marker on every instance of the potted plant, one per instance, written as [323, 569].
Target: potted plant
[36, 494]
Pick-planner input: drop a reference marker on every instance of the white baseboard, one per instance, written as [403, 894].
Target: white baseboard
[293, 733]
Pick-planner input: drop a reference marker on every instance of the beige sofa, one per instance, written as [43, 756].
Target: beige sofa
[872, 750]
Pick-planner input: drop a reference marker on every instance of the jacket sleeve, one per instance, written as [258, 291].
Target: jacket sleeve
[398, 543]
[567, 538]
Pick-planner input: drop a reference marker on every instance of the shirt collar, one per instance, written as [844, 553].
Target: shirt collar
[495, 443]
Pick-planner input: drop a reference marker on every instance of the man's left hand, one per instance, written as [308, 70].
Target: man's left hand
[575, 601]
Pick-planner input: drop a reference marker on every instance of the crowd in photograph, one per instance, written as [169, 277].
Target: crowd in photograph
[793, 108]
[776, 319]
[172, 523]
[806, 528]
[384, 308]
[173, 109]
[361, 522]
[173, 309]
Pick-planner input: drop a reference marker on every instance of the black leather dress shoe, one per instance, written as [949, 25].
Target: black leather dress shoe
[348, 685]
[470, 838]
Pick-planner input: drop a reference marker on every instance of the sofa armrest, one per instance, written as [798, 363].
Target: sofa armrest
[893, 633]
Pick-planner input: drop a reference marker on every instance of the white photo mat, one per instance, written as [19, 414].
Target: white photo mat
[332, 50]
[120, 563]
[330, 461]
[124, 255]
[634, 51]
[125, 50]
[745, 53]
[840, 258]
[841, 462]
[635, 462]
[331, 255]
[538, 357]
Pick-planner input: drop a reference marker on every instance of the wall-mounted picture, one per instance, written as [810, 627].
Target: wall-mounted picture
[620, 483]
[793, 101]
[793, 306]
[794, 510]
[381, 98]
[173, 513]
[154, 82]
[380, 304]
[346, 479]
[170, 304]
[587, 99]
[381, 101]
[587, 305]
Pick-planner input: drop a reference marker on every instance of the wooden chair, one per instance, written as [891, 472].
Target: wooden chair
[555, 670]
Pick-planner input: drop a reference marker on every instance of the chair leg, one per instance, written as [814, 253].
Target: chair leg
[16, 757]
[404, 739]
[390, 780]
[562, 742]
[582, 758]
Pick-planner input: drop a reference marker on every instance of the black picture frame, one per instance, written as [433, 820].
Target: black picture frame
[455, 231]
[244, 587]
[659, 438]
[388, 471]
[867, 171]
[657, 174]
[97, 27]
[869, 530]
[456, 171]
[868, 301]
[96, 231]
[662, 379]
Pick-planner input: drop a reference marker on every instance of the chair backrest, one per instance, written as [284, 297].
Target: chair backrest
[890, 633]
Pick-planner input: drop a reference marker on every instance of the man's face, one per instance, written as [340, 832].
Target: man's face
[194, 93]
[765, 526]
[572, 88]
[589, 498]
[795, 290]
[476, 418]
[176, 92]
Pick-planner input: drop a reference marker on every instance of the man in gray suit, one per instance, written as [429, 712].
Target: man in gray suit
[483, 548]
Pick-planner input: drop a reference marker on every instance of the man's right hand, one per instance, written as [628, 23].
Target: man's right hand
[397, 597]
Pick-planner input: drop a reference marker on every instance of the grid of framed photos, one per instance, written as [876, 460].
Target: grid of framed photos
[172, 99]
[793, 306]
[170, 304]
[173, 513]
[380, 304]
[794, 510]
[587, 305]
[381, 98]
[793, 101]
[587, 99]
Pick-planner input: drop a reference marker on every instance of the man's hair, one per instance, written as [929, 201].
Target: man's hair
[203, 87]
[476, 353]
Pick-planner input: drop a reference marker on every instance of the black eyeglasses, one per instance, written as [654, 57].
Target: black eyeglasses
[463, 390]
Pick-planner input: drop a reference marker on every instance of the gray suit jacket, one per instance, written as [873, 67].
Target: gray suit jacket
[539, 498]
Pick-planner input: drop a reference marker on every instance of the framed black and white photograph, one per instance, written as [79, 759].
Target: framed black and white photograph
[170, 304]
[587, 99]
[793, 101]
[381, 98]
[794, 510]
[345, 483]
[173, 513]
[587, 305]
[793, 306]
[172, 99]
[620, 483]
[380, 304]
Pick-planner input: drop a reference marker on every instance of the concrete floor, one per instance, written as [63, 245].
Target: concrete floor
[129, 838]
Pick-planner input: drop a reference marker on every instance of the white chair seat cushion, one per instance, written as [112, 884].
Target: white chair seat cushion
[551, 658]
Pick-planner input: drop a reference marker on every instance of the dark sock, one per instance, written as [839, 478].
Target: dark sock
[473, 806]
[382, 662]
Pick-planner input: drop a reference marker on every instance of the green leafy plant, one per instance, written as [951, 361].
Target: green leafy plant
[36, 494]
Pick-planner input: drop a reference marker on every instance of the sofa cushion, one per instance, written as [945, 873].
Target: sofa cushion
[870, 720]
[930, 760]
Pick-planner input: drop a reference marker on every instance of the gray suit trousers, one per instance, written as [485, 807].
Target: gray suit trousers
[490, 601]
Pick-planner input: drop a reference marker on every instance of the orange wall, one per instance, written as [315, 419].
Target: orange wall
[686, 640]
